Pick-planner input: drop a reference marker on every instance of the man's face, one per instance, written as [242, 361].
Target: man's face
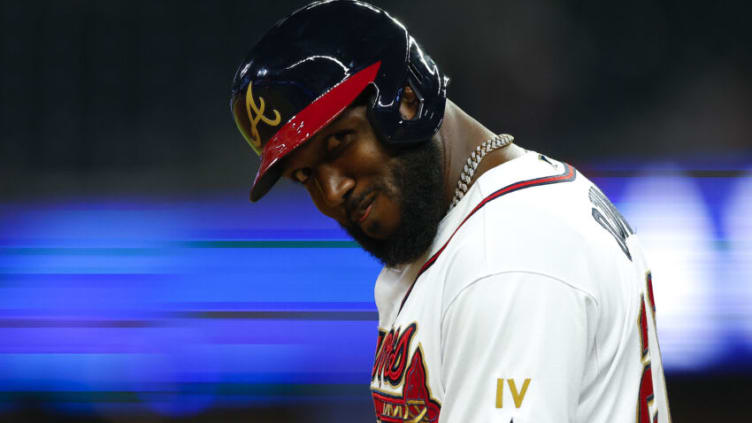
[389, 201]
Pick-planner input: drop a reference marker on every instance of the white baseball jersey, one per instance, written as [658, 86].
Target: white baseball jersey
[534, 304]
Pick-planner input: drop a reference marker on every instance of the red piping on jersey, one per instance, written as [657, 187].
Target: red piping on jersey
[569, 175]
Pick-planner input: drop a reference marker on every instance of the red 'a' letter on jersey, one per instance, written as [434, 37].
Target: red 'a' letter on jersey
[415, 403]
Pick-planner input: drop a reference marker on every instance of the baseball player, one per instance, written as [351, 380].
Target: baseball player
[512, 291]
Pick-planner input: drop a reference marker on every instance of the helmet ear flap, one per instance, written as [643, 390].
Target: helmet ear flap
[423, 77]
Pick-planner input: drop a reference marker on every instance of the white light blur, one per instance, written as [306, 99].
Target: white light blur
[675, 229]
[738, 229]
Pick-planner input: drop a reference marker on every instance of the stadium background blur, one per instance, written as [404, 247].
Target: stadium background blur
[138, 284]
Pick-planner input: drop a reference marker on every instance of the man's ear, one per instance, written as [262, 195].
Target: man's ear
[409, 104]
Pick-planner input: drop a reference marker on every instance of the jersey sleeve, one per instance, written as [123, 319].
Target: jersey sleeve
[515, 347]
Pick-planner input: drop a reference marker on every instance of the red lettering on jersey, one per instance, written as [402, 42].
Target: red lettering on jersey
[380, 340]
[391, 357]
[383, 349]
[646, 397]
[415, 404]
[646, 393]
[643, 323]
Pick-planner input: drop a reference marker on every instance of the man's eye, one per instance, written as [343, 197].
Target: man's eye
[337, 140]
[301, 175]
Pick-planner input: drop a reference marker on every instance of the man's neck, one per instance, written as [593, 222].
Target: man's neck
[459, 135]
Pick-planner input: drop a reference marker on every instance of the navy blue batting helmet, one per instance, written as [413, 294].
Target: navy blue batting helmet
[313, 64]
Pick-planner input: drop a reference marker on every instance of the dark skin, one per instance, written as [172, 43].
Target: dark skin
[342, 163]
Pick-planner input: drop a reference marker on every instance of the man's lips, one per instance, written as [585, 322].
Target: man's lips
[364, 210]
[366, 213]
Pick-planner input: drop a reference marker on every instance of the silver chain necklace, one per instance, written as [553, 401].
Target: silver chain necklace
[466, 177]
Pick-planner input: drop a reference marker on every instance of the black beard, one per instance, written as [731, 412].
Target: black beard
[417, 186]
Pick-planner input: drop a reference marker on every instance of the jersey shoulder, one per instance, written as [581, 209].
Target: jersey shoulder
[536, 216]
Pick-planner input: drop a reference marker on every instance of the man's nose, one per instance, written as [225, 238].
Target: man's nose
[334, 184]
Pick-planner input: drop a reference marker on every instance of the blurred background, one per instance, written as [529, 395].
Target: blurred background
[138, 284]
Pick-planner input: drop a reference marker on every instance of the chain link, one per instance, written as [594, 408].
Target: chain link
[466, 177]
